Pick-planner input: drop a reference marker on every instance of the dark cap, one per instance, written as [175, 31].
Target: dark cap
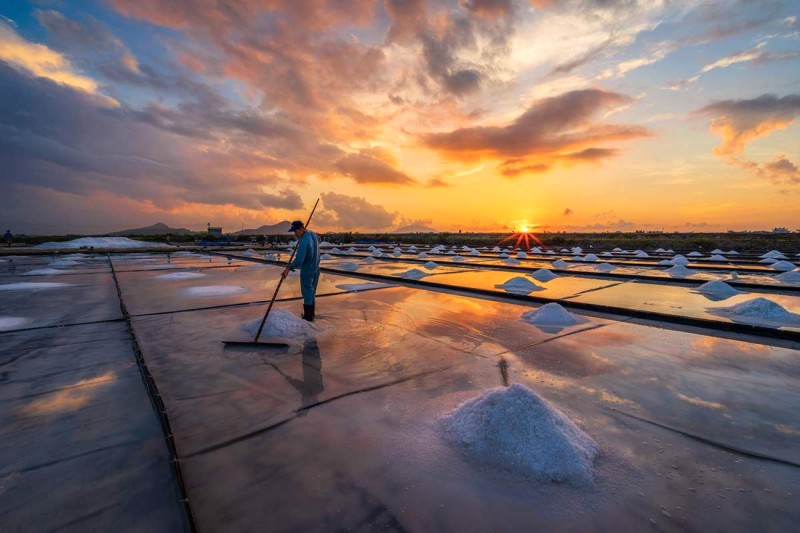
[296, 225]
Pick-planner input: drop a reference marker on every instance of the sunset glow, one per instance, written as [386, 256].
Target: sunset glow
[448, 114]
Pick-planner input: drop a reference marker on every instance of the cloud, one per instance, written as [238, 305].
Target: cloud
[781, 170]
[567, 212]
[353, 212]
[739, 122]
[40, 60]
[364, 168]
[549, 126]
[282, 200]
[438, 182]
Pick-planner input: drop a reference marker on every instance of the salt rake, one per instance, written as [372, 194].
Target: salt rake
[274, 342]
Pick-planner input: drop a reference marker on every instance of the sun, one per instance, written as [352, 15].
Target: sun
[524, 228]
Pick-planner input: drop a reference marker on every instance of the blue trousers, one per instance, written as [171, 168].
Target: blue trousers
[309, 279]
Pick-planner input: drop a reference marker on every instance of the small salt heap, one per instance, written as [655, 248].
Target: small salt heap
[660, 251]
[519, 285]
[717, 290]
[774, 254]
[521, 255]
[605, 267]
[515, 429]
[414, 273]
[350, 267]
[680, 271]
[544, 275]
[326, 256]
[552, 318]
[680, 260]
[783, 266]
[430, 265]
[474, 252]
[536, 250]
[422, 255]
[590, 257]
[694, 254]
[768, 261]
[717, 257]
[369, 260]
[282, 323]
[641, 253]
[397, 252]
[758, 311]
[503, 255]
[666, 262]
[459, 259]
[511, 261]
[560, 263]
[496, 249]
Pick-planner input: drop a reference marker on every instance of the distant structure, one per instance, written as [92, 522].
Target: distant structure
[780, 230]
[214, 231]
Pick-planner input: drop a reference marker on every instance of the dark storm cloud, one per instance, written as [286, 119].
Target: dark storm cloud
[549, 126]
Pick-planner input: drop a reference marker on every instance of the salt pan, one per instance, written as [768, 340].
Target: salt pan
[46, 272]
[515, 429]
[8, 323]
[25, 286]
[181, 276]
[216, 290]
[101, 242]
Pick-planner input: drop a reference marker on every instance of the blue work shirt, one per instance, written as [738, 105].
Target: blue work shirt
[307, 257]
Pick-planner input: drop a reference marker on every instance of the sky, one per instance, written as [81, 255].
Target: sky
[473, 115]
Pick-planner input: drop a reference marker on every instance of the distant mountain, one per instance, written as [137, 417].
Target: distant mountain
[280, 227]
[155, 229]
[415, 228]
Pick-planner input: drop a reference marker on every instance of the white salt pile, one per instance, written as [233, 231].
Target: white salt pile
[717, 290]
[641, 253]
[412, 248]
[660, 251]
[325, 244]
[101, 242]
[577, 250]
[789, 277]
[694, 254]
[369, 260]
[680, 271]
[283, 323]
[326, 256]
[503, 255]
[515, 429]
[430, 265]
[536, 250]
[605, 267]
[26, 286]
[376, 253]
[617, 250]
[550, 252]
[521, 255]
[362, 286]
[552, 314]
[734, 252]
[451, 252]
[465, 248]
[249, 252]
[666, 262]
[607, 254]
[414, 273]
[335, 251]
[458, 259]
[717, 257]
[474, 252]
[270, 257]
[717, 251]
[783, 266]
[216, 290]
[560, 263]
[350, 267]
[397, 252]
[422, 255]
[511, 261]
[181, 276]
[576, 258]
[759, 311]
[590, 257]
[7, 323]
[544, 275]
[46, 272]
[768, 261]
[679, 260]
[564, 251]
[774, 254]
[496, 249]
[519, 285]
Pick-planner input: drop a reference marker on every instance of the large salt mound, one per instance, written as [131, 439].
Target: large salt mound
[783, 266]
[474, 252]
[543, 275]
[590, 257]
[515, 429]
[679, 271]
[560, 263]
[519, 285]
[26, 286]
[414, 273]
[679, 260]
[605, 267]
[717, 290]
[717, 257]
[774, 254]
[789, 277]
[181, 276]
[282, 323]
[430, 265]
[552, 314]
[216, 290]
[759, 310]
[666, 262]
[101, 242]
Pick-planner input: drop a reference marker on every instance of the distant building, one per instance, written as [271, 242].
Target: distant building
[780, 230]
[214, 231]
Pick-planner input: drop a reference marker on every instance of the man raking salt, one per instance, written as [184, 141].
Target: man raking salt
[307, 260]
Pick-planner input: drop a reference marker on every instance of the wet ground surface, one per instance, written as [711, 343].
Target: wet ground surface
[341, 429]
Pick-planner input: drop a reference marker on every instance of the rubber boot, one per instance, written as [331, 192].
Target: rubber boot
[308, 312]
[313, 311]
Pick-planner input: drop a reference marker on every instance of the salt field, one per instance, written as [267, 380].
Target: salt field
[633, 401]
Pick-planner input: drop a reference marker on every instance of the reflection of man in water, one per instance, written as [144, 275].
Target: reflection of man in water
[311, 385]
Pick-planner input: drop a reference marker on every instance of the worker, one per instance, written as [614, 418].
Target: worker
[307, 260]
[8, 238]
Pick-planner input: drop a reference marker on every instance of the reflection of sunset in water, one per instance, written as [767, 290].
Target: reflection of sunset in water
[70, 398]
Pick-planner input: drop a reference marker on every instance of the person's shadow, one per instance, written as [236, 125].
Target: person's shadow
[311, 386]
